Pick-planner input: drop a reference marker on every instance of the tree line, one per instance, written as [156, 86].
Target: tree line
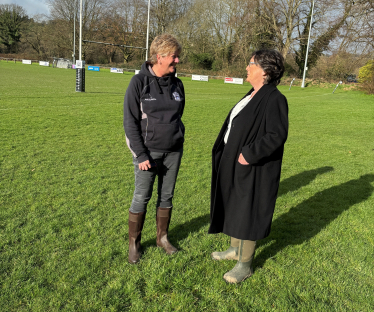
[215, 34]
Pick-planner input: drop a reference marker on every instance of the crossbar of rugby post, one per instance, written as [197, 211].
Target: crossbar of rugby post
[113, 44]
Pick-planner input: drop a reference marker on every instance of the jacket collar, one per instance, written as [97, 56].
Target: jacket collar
[265, 89]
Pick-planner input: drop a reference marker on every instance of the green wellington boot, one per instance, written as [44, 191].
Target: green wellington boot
[243, 267]
[230, 254]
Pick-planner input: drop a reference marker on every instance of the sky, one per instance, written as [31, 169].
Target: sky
[32, 7]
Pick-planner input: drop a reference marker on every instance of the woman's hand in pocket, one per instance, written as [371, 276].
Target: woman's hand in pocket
[242, 160]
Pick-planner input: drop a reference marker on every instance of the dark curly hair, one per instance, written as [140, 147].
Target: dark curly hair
[272, 63]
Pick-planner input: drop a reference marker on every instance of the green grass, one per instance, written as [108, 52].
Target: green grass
[67, 183]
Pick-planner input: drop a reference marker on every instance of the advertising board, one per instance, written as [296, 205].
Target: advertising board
[234, 80]
[116, 70]
[94, 68]
[200, 78]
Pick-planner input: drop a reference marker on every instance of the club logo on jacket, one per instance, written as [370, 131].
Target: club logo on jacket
[176, 96]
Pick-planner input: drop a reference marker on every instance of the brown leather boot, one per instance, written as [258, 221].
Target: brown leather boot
[163, 216]
[136, 222]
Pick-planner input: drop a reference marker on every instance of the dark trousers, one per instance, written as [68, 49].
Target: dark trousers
[166, 169]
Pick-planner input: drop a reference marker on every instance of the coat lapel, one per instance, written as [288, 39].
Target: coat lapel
[256, 100]
[250, 110]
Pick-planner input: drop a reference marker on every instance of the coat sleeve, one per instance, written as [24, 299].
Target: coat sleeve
[276, 126]
[131, 120]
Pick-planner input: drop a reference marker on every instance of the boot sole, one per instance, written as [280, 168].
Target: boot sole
[237, 281]
[169, 253]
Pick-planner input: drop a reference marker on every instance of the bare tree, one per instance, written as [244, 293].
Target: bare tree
[165, 12]
[133, 14]
[214, 26]
[36, 36]
[62, 14]
[225, 31]
[357, 35]
[283, 17]
[326, 26]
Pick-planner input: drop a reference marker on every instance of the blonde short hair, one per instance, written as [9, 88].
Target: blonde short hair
[164, 45]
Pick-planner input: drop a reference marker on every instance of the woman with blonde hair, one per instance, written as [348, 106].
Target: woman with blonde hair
[153, 108]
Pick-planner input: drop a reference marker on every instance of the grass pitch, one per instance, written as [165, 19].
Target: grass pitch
[67, 183]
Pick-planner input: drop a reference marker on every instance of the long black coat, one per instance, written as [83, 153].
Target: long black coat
[243, 196]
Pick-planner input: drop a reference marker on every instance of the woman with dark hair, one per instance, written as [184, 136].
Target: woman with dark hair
[153, 108]
[246, 164]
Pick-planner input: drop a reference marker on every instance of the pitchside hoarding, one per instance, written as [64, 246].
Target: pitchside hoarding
[116, 70]
[42, 63]
[200, 78]
[28, 62]
[94, 68]
[234, 80]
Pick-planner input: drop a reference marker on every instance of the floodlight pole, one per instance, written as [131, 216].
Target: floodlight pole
[75, 12]
[80, 31]
[146, 44]
[80, 66]
[307, 48]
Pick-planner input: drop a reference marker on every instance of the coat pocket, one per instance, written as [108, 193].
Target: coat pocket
[243, 175]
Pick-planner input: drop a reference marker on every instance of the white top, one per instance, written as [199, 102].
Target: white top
[236, 110]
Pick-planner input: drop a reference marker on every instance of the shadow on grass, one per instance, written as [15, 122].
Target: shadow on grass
[181, 231]
[307, 219]
[304, 178]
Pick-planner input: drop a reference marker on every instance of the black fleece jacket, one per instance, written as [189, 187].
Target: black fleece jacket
[153, 108]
